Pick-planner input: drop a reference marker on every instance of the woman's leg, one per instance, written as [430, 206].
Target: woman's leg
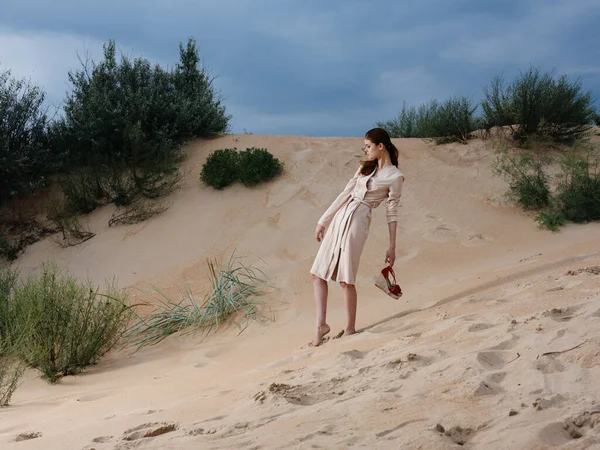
[350, 298]
[320, 290]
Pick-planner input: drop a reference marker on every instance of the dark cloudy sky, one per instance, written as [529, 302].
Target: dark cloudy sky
[313, 67]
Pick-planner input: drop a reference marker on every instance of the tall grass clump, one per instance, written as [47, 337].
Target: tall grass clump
[448, 121]
[540, 105]
[234, 288]
[62, 324]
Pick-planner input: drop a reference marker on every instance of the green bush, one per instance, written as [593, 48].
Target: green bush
[578, 190]
[220, 168]
[257, 165]
[537, 104]
[551, 219]
[233, 288]
[452, 120]
[575, 192]
[25, 154]
[529, 186]
[62, 324]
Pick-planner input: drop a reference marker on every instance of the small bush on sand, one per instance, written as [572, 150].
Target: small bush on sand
[529, 186]
[252, 166]
[233, 288]
[220, 168]
[537, 104]
[257, 165]
[572, 195]
[578, 190]
[63, 324]
[551, 219]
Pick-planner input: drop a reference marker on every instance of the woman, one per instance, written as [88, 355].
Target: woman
[344, 227]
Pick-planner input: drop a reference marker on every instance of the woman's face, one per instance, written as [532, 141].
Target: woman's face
[373, 151]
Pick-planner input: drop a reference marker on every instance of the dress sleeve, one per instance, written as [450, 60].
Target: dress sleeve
[327, 217]
[393, 201]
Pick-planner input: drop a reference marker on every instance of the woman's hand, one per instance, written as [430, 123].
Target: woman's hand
[390, 256]
[319, 232]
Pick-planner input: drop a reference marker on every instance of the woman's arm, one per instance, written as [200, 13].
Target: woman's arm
[393, 204]
[327, 217]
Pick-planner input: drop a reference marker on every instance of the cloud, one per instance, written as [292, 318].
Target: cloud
[285, 66]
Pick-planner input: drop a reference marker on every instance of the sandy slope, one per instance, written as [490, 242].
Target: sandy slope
[492, 321]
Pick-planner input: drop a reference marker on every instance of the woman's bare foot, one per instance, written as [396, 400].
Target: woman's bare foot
[349, 332]
[321, 331]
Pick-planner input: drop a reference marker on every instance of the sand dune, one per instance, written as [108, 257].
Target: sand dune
[494, 345]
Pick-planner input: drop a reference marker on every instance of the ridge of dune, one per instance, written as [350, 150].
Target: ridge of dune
[495, 340]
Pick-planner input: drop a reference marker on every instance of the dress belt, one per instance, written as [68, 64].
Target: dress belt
[371, 205]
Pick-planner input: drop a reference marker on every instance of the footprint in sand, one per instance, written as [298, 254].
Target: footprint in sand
[149, 430]
[493, 360]
[28, 435]
[476, 240]
[548, 364]
[557, 434]
[303, 395]
[95, 396]
[508, 344]
[457, 434]
[441, 233]
[491, 385]
[480, 327]
[408, 254]
[561, 314]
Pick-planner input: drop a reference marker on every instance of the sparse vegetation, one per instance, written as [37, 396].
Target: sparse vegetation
[529, 185]
[536, 104]
[452, 120]
[58, 324]
[138, 212]
[578, 189]
[234, 287]
[572, 195]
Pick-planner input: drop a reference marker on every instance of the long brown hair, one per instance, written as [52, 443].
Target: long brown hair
[379, 136]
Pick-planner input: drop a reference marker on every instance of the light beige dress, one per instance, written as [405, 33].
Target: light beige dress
[348, 219]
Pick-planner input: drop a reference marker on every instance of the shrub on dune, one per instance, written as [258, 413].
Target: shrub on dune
[252, 166]
[572, 195]
[60, 324]
[257, 165]
[220, 168]
[537, 104]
